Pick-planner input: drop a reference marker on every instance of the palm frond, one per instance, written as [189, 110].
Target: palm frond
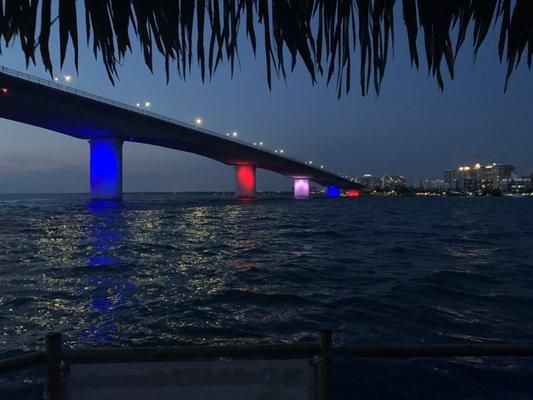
[325, 35]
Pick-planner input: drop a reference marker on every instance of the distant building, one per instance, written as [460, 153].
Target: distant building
[369, 180]
[473, 178]
[431, 184]
[495, 173]
[382, 182]
[516, 184]
[450, 177]
[392, 181]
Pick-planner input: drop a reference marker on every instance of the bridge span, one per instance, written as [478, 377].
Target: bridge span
[107, 124]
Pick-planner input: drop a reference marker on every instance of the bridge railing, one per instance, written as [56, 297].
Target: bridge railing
[82, 93]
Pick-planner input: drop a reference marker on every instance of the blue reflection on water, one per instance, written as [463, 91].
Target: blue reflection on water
[108, 286]
[103, 232]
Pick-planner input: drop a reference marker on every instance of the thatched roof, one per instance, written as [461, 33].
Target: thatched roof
[326, 35]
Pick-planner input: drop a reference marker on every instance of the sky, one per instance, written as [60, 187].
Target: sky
[411, 128]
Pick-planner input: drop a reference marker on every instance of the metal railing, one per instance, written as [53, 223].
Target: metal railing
[124, 106]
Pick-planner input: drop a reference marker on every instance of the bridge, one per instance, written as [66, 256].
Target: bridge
[107, 124]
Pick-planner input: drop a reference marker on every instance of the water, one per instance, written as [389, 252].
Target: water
[169, 269]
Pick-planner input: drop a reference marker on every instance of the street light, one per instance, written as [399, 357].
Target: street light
[234, 134]
[63, 79]
[282, 151]
[260, 143]
[198, 121]
[144, 104]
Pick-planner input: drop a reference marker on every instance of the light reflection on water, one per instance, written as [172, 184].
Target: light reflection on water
[107, 292]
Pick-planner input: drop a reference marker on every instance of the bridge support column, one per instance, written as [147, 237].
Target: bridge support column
[301, 187]
[353, 193]
[333, 191]
[106, 168]
[244, 181]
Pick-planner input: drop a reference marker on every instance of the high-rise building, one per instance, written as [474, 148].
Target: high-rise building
[431, 184]
[369, 180]
[451, 177]
[477, 177]
[392, 181]
[382, 182]
[515, 184]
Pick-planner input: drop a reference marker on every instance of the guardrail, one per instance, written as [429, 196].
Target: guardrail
[69, 89]
[53, 356]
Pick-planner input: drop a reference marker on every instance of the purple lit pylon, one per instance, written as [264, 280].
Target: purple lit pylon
[301, 187]
[106, 168]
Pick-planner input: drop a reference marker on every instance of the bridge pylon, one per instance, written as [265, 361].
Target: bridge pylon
[106, 168]
[244, 181]
[301, 187]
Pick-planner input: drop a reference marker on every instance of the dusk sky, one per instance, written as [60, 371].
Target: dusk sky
[411, 128]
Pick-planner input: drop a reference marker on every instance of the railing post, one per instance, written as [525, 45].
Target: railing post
[323, 391]
[52, 384]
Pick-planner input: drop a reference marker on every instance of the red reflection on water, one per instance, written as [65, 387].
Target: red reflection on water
[353, 193]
